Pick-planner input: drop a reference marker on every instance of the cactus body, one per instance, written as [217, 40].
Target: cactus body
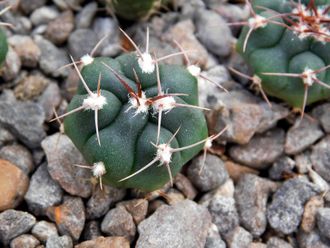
[3, 46]
[277, 49]
[125, 135]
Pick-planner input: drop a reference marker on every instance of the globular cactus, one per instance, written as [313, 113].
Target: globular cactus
[135, 121]
[3, 46]
[287, 44]
[132, 9]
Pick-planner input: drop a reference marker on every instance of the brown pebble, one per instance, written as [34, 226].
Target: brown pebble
[311, 207]
[138, 208]
[185, 186]
[236, 170]
[59, 29]
[105, 242]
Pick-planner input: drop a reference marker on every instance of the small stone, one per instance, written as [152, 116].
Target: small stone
[281, 168]
[62, 155]
[31, 86]
[29, 5]
[68, 4]
[52, 58]
[43, 191]
[5, 136]
[119, 222]
[138, 208]
[101, 201]
[13, 185]
[183, 184]
[235, 170]
[14, 223]
[174, 196]
[43, 230]
[275, 242]
[286, 209]
[309, 217]
[301, 135]
[183, 225]
[209, 36]
[224, 213]
[323, 221]
[92, 230]
[59, 29]
[211, 176]
[257, 245]
[25, 120]
[322, 113]
[85, 17]
[24, 241]
[50, 99]
[303, 162]
[226, 190]
[59, 242]
[312, 240]
[321, 158]
[238, 238]
[183, 32]
[26, 49]
[261, 151]
[43, 15]
[11, 66]
[251, 195]
[105, 242]
[81, 42]
[69, 216]
[20, 24]
[213, 239]
[19, 156]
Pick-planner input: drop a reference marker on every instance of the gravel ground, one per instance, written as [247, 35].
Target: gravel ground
[264, 184]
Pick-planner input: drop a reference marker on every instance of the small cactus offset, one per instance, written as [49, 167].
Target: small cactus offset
[135, 121]
[287, 44]
[132, 9]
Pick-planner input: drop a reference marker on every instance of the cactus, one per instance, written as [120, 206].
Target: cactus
[136, 122]
[3, 46]
[132, 9]
[288, 46]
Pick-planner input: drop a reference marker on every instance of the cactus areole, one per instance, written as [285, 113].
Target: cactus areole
[287, 44]
[131, 135]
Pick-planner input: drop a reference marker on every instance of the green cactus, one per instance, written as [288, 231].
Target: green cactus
[3, 46]
[132, 9]
[127, 129]
[289, 53]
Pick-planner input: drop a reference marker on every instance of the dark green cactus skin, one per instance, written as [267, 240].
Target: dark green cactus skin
[125, 139]
[133, 9]
[278, 50]
[3, 46]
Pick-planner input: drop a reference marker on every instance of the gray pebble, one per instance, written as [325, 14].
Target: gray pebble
[11, 66]
[275, 242]
[59, 242]
[50, 99]
[43, 191]
[43, 230]
[62, 155]
[72, 219]
[68, 4]
[43, 15]
[20, 24]
[213, 239]
[14, 223]
[322, 113]
[323, 221]
[251, 195]
[24, 241]
[52, 58]
[60, 28]
[285, 211]
[92, 230]
[184, 185]
[213, 175]
[238, 238]
[302, 135]
[282, 167]
[101, 201]
[5, 136]
[209, 35]
[224, 213]
[19, 156]
[321, 158]
[81, 42]
[119, 222]
[183, 225]
[25, 120]
[29, 5]
[85, 17]
[312, 240]
[261, 151]
[138, 208]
